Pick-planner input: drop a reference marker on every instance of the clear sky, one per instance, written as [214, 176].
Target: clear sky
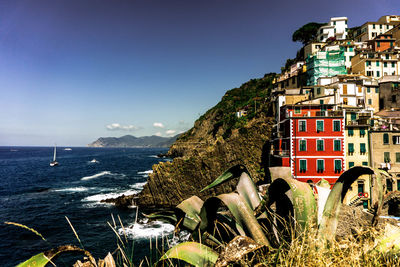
[75, 70]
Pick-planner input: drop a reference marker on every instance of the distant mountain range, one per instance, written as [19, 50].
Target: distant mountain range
[132, 141]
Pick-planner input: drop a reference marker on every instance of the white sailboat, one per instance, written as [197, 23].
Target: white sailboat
[54, 162]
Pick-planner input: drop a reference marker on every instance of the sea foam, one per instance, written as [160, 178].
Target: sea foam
[147, 230]
[74, 189]
[96, 175]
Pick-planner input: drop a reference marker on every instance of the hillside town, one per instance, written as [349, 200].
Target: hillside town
[338, 106]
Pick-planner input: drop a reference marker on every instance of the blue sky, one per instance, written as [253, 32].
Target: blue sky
[75, 70]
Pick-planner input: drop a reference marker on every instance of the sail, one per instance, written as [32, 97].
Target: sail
[55, 151]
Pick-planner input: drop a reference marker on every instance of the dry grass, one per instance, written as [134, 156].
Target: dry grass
[307, 250]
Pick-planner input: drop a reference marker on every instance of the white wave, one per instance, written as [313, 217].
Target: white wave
[146, 173]
[153, 156]
[147, 230]
[104, 196]
[96, 175]
[138, 186]
[74, 189]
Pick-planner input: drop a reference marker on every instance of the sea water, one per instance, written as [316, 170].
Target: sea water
[39, 196]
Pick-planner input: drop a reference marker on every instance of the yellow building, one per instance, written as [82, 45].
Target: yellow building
[357, 153]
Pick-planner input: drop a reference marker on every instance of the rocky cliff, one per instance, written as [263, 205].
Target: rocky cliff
[218, 140]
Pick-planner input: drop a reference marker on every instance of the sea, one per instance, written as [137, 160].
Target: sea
[42, 198]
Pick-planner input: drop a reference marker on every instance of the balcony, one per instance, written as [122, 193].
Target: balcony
[359, 122]
[282, 153]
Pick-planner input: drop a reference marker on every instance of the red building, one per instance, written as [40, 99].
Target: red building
[382, 42]
[310, 140]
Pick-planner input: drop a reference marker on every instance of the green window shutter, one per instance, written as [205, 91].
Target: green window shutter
[320, 165]
[365, 163]
[320, 126]
[376, 90]
[303, 145]
[303, 165]
[336, 126]
[362, 132]
[351, 164]
[338, 165]
[385, 138]
[351, 132]
[353, 116]
[302, 126]
[337, 145]
[362, 148]
[351, 147]
[385, 64]
[386, 156]
[397, 157]
[320, 145]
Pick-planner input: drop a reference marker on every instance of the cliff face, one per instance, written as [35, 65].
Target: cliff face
[217, 141]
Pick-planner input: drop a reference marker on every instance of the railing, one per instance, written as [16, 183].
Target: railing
[281, 152]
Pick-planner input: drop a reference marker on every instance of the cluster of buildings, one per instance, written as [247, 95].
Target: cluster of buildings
[339, 106]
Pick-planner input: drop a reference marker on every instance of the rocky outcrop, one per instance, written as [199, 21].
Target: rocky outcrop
[199, 164]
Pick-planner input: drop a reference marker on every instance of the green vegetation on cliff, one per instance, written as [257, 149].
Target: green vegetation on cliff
[248, 96]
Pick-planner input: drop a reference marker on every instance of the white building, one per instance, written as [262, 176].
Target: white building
[337, 28]
[370, 30]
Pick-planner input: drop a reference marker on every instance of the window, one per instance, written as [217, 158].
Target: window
[393, 64]
[386, 157]
[353, 116]
[387, 56]
[351, 164]
[378, 44]
[351, 132]
[303, 145]
[376, 90]
[320, 145]
[369, 101]
[362, 132]
[320, 165]
[359, 89]
[303, 165]
[368, 63]
[365, 163]
[373, 26]
[351, 49]
[350, 148]
[385, 138]
[338, 165]
[345, 100]
[396, 139]
[337, 145]
[380, 26]
[363, 150]
[368, 89]
[345, 89]
[318, 91]
[398, 185]
[385, 64]
[360, 187]
[302, 126]
[297, 110]
[336, 126]
[389, 185]
[378, 74]
[393, 98]
[320, 126]
[397, 157]
[369, 73]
